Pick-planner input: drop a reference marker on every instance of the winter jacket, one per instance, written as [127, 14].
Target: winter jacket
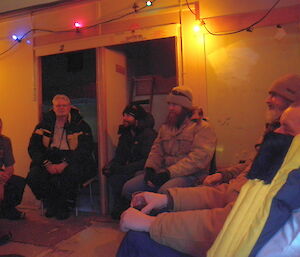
[184, 151]
[79, 140]
[261, 209]
[133, 146]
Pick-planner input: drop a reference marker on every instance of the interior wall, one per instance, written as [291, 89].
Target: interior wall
[18, 95]
[240, 69]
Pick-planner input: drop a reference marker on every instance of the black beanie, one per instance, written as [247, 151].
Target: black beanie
[135, 111]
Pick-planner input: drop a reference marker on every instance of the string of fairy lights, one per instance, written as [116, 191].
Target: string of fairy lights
[77, 26]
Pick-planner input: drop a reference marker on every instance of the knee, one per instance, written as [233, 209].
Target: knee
[126, 190]
[33, 175]
[18, 181]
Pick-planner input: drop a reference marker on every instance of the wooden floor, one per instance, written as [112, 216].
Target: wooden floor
[100, 238]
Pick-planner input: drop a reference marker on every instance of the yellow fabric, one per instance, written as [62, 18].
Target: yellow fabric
[246, 220]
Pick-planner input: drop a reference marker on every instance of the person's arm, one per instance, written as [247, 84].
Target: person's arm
[155, 158]
[132, 219]
[6, 174]
[36, 149]
[190, 232]
[201, 153]
[8, 161]
[139, 152]
[233, 171]
[81, 143]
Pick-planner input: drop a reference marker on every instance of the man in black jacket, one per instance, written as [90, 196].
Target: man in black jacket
[61, 149]
[135, 141]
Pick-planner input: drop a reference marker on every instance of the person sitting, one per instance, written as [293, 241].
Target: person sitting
[11, 186]
[268, 199]
[213, 203]
[182, 151]
[188, 230]
[282, 93]
[135, 141]
[61, 149]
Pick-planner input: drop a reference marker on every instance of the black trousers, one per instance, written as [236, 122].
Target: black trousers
[58, 187]
[13, 192]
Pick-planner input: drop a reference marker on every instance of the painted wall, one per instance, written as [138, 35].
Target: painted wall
[18, 94]
[240, 69]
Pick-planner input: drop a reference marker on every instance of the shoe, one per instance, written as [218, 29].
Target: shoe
[5, 238]
[63, 214]
[51, 212]
[12, 214]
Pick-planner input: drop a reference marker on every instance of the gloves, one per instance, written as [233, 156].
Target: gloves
[157, 179]
[113, 169]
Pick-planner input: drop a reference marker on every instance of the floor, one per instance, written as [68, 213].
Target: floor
[99, 238]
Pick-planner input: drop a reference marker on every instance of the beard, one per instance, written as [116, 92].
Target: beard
[175, 120]
[273, 115]
[270, 156]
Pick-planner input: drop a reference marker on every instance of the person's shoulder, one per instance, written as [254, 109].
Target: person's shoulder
[4, 138]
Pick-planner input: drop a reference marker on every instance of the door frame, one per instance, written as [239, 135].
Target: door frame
[99, 42]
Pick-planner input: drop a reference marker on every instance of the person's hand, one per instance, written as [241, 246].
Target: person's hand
[153, 178]
[132, 219]
[149, 201]
[60, 167]
[4, 177]
[56, 168]
[213, 179]
[106, 172]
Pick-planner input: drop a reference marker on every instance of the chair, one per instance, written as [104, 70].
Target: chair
[88, 183]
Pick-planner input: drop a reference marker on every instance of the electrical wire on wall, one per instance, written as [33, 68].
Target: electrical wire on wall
[248, 28]
[135, 10]
[181, 42]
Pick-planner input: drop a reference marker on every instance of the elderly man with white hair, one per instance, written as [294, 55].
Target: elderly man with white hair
[61, 148]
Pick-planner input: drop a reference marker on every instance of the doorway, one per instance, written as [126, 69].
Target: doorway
[72, 74]
[151, 73]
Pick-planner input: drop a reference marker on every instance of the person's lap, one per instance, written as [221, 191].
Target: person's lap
[137, 184]
[139, 244]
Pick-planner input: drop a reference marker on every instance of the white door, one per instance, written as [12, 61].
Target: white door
[113, 95]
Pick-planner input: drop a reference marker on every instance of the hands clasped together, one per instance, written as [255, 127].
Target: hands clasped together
[133, 219]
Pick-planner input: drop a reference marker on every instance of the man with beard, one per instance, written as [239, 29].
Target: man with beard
[281, 94]
[269, 198]
[191, 229]
[182, 151]
[135, 141]
[214, 202]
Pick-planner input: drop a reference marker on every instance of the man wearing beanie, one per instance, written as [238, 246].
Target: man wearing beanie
[283, 91]
[204, 208]
[135, 141]
[182, 151]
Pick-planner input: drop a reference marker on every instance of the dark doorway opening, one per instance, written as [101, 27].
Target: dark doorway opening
[72, 74]
[151, 71]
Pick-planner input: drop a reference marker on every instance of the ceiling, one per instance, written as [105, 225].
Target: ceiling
[208, 8]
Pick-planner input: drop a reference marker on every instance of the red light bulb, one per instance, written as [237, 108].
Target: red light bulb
[77, 25]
